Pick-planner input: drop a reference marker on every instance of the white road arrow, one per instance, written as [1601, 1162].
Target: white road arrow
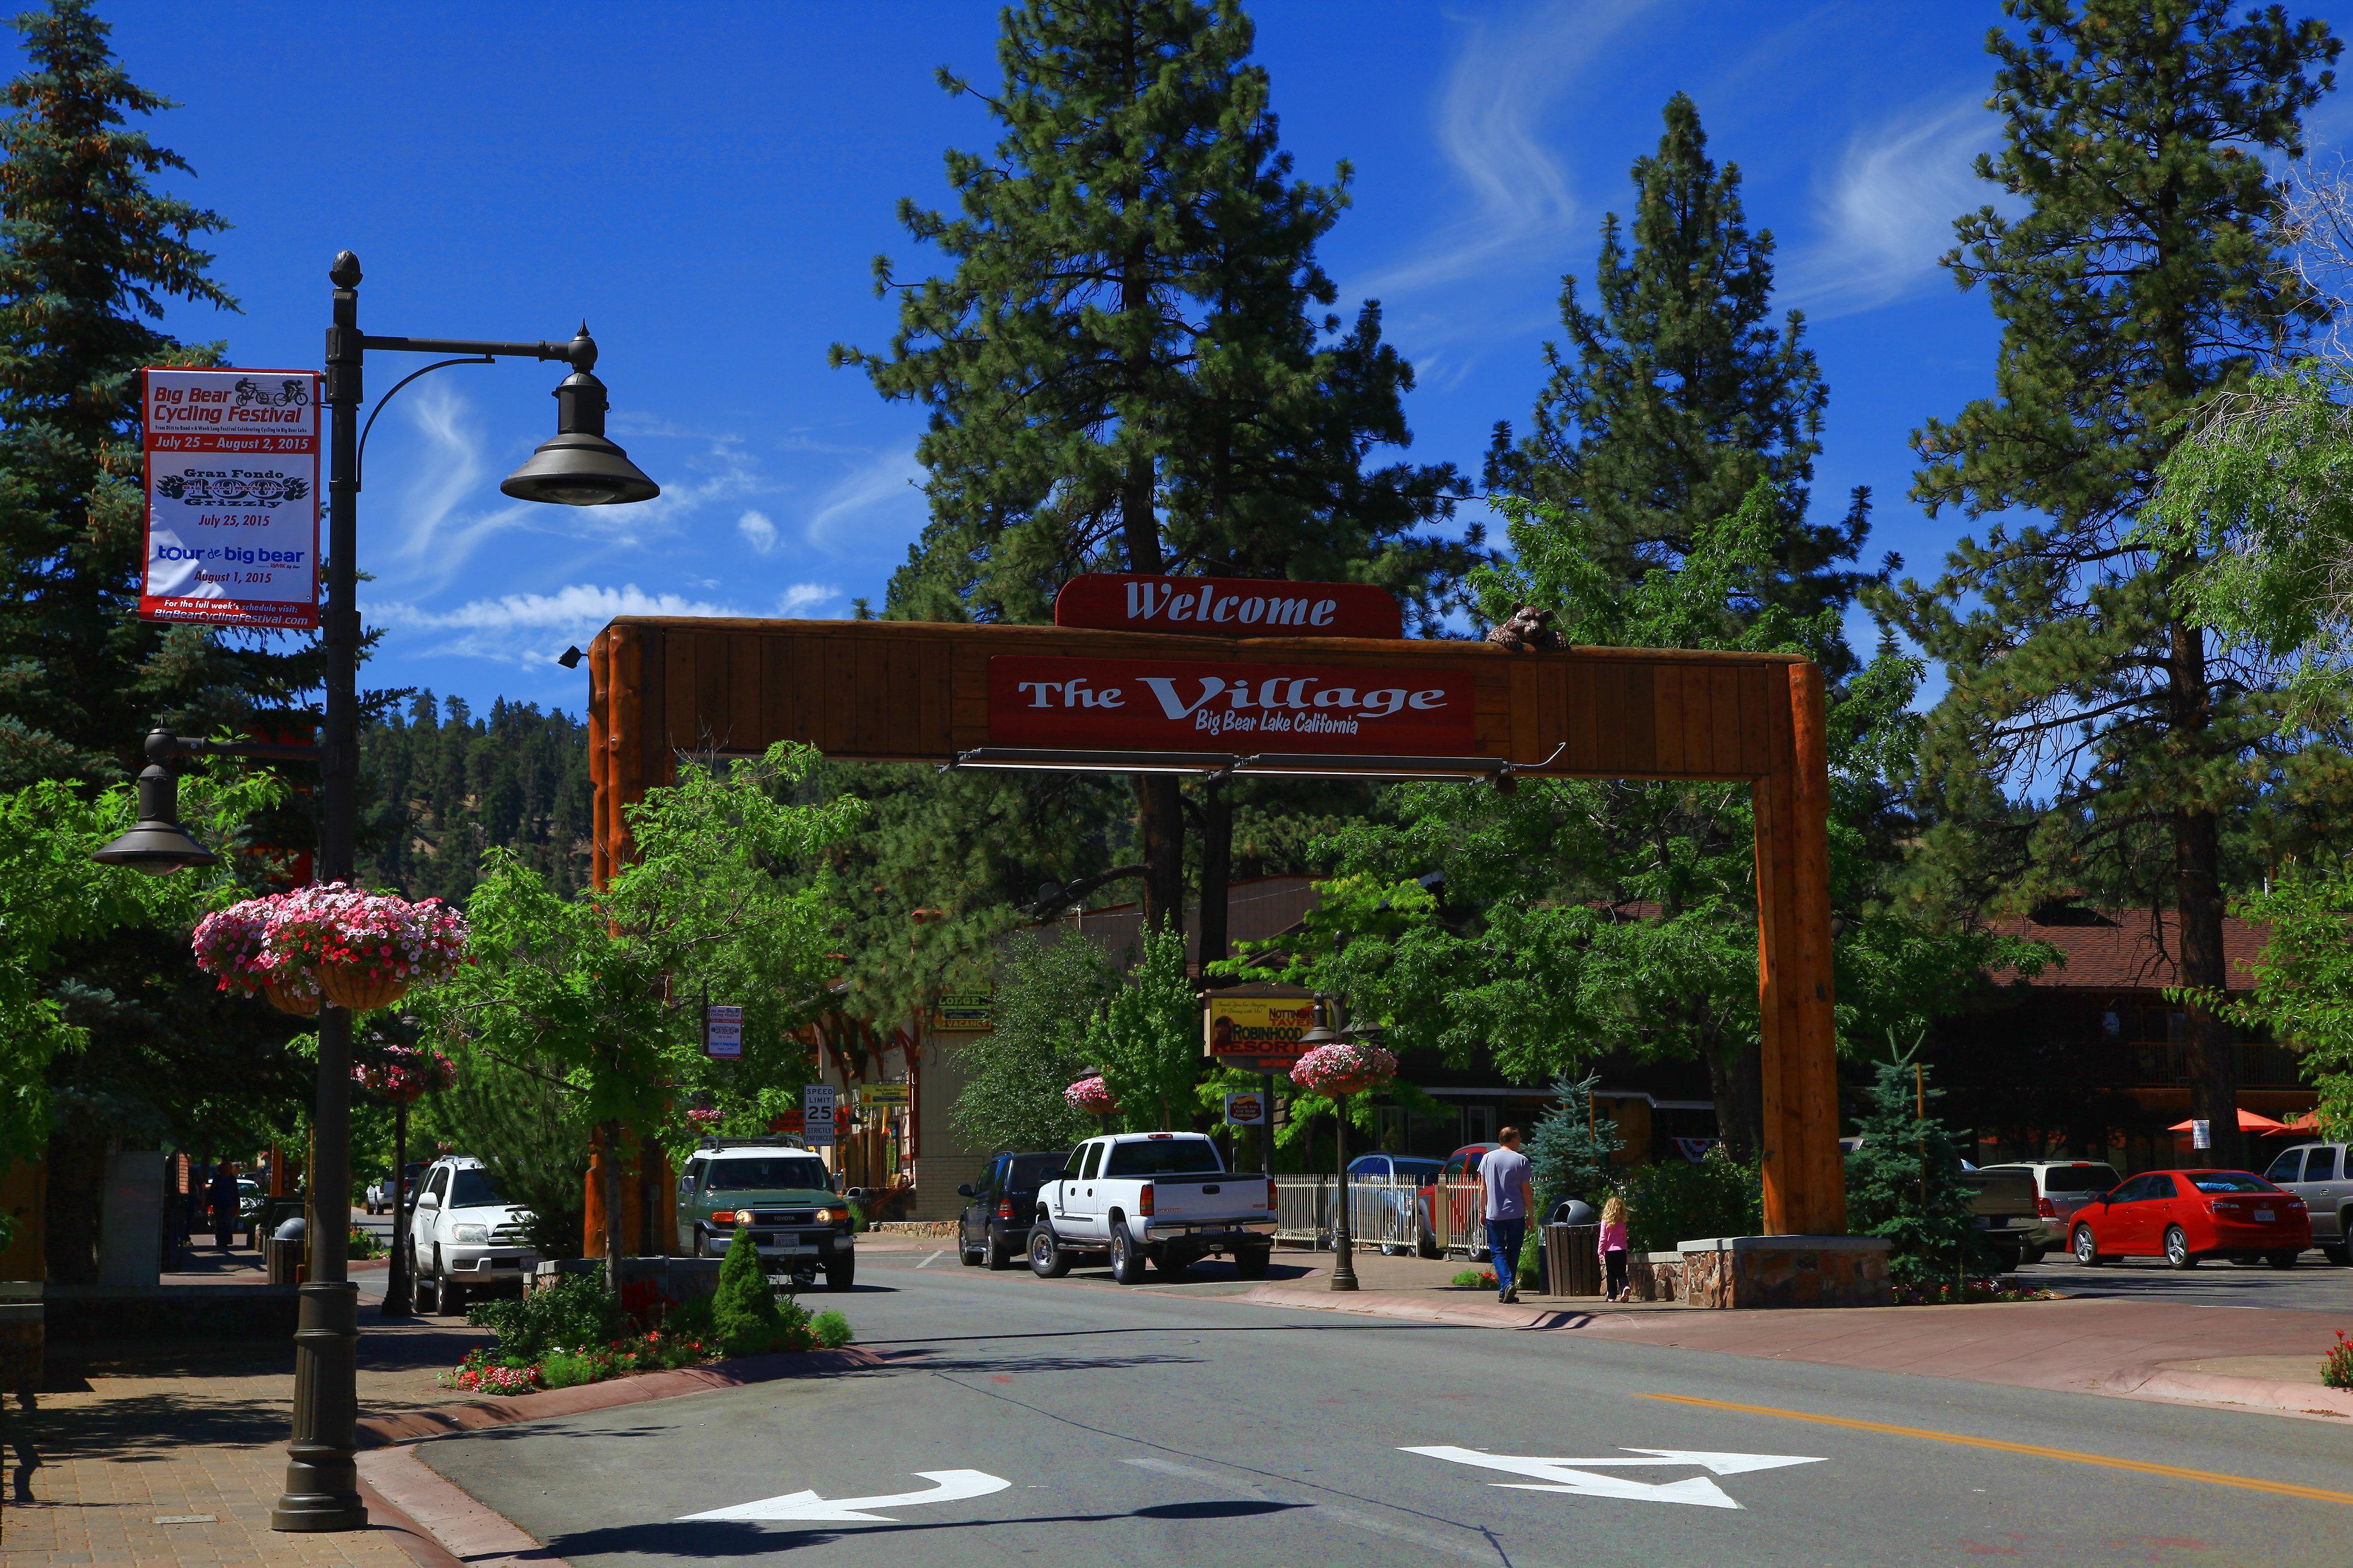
[947, 1486]
[1576, 1476]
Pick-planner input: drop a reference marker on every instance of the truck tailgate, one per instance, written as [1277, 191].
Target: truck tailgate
[1205, 1198]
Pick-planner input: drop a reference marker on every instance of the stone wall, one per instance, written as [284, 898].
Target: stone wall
[1748, 1271]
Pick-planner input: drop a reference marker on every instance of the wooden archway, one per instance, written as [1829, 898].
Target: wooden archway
[908, 691]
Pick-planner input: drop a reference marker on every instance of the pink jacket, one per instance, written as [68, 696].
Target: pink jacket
[1613, 1237]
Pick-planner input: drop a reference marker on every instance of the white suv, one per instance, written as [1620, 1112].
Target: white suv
[464, 1235]
[2321, 1176]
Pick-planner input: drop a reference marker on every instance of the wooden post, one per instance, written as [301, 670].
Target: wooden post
[600, 865]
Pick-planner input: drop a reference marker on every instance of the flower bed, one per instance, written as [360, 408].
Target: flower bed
[1971, 1291]
[2337, 1367]
[1475, 1280]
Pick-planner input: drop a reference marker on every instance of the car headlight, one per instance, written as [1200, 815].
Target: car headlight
[471, 1234]
[831, 1216]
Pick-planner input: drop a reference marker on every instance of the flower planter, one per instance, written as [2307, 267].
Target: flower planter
[287, 1001]
[359, 988]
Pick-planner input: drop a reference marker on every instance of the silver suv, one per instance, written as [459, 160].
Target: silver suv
[2061, 1188]
[2321, 1176]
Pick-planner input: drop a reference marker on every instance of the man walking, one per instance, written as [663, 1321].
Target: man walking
[1508, 1194]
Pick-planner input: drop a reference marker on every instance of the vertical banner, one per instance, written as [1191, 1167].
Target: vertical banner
[232, 459]
[816, 1115]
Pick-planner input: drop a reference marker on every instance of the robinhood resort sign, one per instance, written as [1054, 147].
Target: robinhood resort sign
[232, 460]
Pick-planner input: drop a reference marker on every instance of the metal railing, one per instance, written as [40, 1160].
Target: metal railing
[1458, 1220]
[1383, 1212]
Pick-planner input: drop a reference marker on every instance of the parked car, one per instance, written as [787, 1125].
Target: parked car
[378, 1197]
[2002, 1202]
[1395, 1182]
[1166, 1198]
[994, 1226]
[778, 1195]
[464, 1236]
[2321, 1176]
[2061, 1188]
[1461, 1225]
[2188, 1216]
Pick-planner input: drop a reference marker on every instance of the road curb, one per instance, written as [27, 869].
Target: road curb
[448, 1420]
[1390, 1304]
[444, 1525]
[2217, 1388]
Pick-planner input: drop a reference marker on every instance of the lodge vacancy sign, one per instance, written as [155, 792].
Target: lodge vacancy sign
[232, 463]
[1226, 607]
[1191, 705]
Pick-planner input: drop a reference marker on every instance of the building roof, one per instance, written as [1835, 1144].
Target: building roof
[2127, 949]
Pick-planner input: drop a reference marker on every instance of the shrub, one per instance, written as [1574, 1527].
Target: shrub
[1905, 1182]
[1530, 1269]
[1474, 1280]
[2336, 1370]
[1674, 1200]
[571, 1310]
[744, 1313]
[832, 1330]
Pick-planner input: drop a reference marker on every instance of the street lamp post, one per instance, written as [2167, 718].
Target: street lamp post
[579, 466]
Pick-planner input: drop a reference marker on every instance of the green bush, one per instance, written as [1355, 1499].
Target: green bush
[574, 1309]
[832, 1330]
[1674, 1200]
[743, 1315]
[569, 1369]
[1530, 1274]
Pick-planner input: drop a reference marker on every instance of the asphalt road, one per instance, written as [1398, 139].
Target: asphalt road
[1079, 1423]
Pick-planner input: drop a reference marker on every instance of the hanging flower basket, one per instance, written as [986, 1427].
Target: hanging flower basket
[1092, 1096]
[1345, 1066]
[705, 1117]
[361, 950]
[402, 1073]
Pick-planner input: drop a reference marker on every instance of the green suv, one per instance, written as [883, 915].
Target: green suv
[781, 1194]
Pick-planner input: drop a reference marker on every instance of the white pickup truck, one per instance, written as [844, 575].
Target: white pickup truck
[1162, 1196]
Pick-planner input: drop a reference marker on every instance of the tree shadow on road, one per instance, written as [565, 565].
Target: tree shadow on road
[746, 1538]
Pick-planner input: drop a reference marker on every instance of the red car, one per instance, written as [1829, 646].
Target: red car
[2188, 1216]
[1450, 1206]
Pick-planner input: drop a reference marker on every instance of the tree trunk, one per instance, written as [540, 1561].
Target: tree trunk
[650, 1158]
[609, 1136]
[2198, 900]
[1159, 805]
[1736, 1076]
[1216, 870]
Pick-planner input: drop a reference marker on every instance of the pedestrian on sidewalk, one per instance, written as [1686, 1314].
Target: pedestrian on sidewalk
[223, 1195]
[1507, 1194]
[1612, 1245]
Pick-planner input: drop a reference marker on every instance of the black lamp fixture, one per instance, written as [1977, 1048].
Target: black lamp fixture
[156, 843]
[570, 657]
[578, 466]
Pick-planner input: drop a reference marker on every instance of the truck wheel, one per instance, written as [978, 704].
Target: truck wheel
[702, 1247]
[997, 1255]
[2339, 1253]
[838, 1275]
[966, 1255]
[1173, 1263]
[1126, 1258]
[452, 1296]
[425, 1290]
[1047, 1259]
[1249, 1262]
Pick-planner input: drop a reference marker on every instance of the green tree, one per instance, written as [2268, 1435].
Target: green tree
[525, 1125]
[601, 992]
[443, 786]
[1679, 394]
[2141, 278]
[1903, 1181]
[1148, 1038]
[2304, 981]
[1128, 366]
[1047, 994]
[1571, 1153]
[89, 255]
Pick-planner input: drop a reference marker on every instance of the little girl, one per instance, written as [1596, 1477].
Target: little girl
[1612, 1245]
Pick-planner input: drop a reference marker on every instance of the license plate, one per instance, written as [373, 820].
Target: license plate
[789, 1250]
[2265, 1214]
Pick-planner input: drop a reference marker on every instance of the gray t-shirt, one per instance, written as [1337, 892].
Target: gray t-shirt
[1505, 1172]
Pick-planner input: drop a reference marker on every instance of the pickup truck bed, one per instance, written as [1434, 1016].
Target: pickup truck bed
[1159, 1197]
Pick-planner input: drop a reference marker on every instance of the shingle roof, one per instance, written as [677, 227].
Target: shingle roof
[2127, 950]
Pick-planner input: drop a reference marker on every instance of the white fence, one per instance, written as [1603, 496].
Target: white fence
[1387, 1213]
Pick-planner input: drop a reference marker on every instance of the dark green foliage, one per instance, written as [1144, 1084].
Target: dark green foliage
[572, 1311]
[1674, 1201]
[1905, 1181]
[1674, 400]
[1570, 1154]
[831, 1329]
[90, 256]
[744, 1313]
[526, 1130]
[2143, 277]
[446, 787]
[1047, 996]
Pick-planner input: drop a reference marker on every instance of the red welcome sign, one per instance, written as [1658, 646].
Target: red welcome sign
[1226, 607]
[1210, 705]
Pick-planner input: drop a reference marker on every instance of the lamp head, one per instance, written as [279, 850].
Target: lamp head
[156, 843]
[579, 466]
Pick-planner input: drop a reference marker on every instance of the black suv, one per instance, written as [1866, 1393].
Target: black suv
[994, 1226]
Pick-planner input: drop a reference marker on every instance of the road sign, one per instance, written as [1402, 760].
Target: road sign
[232, 464]
[947, 1486]
[1245, 1111]
[1577, 1477]
[722, 1031]
[883, 1096]
[1227, 607]
[817, 1114]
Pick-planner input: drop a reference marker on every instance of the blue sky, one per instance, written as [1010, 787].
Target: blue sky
[707, 185]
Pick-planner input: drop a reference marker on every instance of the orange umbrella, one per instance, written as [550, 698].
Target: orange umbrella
[2309, 1122]
[2249, 1121]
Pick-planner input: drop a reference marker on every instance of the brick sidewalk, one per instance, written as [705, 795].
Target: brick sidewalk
[187, 1433]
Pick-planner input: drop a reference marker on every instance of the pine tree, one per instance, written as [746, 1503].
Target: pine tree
[2142, 279]
[1904, 1180]
[1678, 395]
[89, 254]
[1126, 367]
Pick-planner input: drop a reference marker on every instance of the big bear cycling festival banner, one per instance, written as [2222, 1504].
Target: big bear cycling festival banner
[232, 497]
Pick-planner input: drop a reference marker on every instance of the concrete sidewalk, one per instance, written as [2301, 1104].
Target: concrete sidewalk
[2264, 1359]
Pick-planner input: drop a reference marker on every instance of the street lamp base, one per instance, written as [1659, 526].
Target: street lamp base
[1344, 1270]
[322, 1482]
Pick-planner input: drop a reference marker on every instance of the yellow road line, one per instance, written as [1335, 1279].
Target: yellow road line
[2212, 1477]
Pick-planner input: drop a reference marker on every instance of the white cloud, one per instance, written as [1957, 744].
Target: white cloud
[885, 497]
[802, 596]
[758, 532]
[1886, 212]
[1491, 126]
[528, 628]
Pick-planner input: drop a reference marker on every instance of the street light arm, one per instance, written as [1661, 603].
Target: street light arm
[359, 458]
[163, 747]
[580, 353]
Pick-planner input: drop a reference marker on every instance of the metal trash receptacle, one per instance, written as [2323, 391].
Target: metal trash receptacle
[285, 1252]
[1572, 1267]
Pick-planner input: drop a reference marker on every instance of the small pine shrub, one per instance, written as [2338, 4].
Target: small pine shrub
[832, 1330]
[744, 1314]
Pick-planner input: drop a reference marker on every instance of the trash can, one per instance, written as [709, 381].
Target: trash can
[286, 1252]
[1572, 1267]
